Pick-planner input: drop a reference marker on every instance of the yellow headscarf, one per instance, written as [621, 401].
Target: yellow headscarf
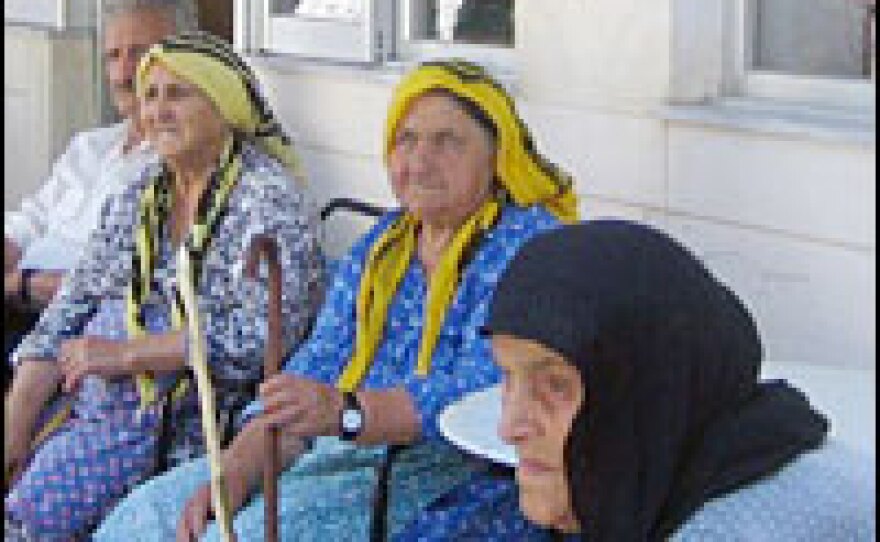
[526, 176]
[212, 65]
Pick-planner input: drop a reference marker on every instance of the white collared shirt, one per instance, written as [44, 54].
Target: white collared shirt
[67, 207]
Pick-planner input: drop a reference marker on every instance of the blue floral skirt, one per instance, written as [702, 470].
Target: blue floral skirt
[326, 495]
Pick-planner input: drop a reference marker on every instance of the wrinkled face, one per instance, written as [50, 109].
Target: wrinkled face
[541, 394]
[178, 119]
[127, 37]
[442, 161]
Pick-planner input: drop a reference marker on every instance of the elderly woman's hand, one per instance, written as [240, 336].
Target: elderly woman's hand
[85, 356]
[199, 509]
[300, 406]
[242, 464]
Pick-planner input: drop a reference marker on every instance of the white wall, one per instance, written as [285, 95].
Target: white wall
[25, 124]
[48, 94]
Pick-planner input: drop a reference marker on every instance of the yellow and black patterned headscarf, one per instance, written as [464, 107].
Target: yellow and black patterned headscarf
[210, 64]
[526, 176]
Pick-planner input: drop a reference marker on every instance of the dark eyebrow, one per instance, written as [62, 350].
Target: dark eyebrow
[534, 364]
[446, 131]
[548, 361]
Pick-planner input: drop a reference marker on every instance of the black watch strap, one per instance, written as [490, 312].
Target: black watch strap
[351, 420]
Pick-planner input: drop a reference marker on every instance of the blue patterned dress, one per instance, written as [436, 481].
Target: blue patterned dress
[436, 492]
[108, 444]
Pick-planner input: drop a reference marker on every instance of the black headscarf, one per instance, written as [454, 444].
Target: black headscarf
[669, 357]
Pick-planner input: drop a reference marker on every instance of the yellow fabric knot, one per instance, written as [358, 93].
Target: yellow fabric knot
[386, 264]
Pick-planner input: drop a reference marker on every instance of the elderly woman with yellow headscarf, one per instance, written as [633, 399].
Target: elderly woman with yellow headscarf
[113, 338]
[396, 341]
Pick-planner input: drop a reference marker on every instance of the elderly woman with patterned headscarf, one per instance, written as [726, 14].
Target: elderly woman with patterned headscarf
[396, 341]
[114, 338]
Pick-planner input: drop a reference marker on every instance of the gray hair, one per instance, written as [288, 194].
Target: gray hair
[184, 12]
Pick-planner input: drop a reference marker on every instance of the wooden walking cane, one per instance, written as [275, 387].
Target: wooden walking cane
[198, 362]
[263, 247]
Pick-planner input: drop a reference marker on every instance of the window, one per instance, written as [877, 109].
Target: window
[811, 50]
[817, 38]
[350, 10]
[339, 30]
[378, 30]
[485, 22]
[482, 30]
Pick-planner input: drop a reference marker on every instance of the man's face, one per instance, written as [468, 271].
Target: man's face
[127, 36]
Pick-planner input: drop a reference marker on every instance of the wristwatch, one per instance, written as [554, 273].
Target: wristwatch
[351, 420]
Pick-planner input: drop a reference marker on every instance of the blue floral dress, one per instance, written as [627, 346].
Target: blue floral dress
[436, 492]
[108, 444]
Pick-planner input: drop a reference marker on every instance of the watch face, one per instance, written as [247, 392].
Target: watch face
[352, 420]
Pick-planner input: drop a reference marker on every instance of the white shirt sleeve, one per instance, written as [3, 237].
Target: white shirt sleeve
[64, 183]
[67, 205]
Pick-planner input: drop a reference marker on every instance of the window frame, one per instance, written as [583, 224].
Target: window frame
[255, 29]
[743, 80]
[369, 40]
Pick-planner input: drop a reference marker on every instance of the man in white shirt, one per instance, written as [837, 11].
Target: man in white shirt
[47, 234]
[97, 162]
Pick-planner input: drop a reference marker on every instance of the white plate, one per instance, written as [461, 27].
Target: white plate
[472, 424]
[847, 396]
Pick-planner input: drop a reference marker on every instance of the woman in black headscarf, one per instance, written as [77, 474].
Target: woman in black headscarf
[631, 394]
